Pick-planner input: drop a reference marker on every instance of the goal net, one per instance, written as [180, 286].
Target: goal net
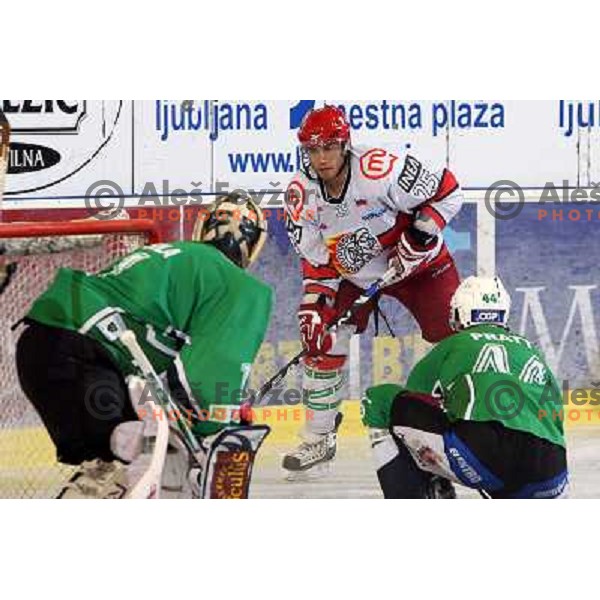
[30, 254]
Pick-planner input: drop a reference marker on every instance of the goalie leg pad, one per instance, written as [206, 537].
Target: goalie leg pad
[421, 424]
[398, 474]
[229, 462]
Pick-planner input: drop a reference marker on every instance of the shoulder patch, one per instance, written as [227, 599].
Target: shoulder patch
[417, 180]
[294, 231]
[377, 163]
[410, 174]
[295, 198]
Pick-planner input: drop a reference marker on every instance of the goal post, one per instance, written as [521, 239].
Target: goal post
[4, 147]
[30, 255]
[85, 227]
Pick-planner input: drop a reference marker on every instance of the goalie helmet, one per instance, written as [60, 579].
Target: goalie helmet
[235, 225]
[479, 301]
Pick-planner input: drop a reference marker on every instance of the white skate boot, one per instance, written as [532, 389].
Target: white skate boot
[139, 448]
[314, 457]
[132, 445]
[96, 479]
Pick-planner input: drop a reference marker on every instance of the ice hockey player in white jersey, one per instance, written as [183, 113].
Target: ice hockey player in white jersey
[351, 213]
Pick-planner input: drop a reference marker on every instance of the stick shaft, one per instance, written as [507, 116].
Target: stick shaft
[363, 299]
[162, 396]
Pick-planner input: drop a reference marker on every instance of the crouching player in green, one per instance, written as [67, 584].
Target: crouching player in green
[482, 409]
[199, 318]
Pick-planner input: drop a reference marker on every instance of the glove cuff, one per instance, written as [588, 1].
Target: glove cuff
[326, 312]
[419, 240]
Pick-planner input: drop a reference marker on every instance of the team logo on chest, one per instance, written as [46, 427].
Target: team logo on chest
[377, 163]
[352, 251]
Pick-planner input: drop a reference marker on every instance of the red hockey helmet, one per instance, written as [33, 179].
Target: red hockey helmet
[322, 126]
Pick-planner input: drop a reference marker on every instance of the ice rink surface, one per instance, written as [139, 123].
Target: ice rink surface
[353, 475]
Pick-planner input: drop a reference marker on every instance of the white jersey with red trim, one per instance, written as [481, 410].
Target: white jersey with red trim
[351, 237]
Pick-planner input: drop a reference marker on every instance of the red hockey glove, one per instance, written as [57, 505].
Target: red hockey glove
[409, 254]
[314, 319]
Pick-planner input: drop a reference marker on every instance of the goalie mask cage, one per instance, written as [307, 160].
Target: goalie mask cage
[30, 254]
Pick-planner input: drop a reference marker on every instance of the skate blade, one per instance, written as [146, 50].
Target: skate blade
[317, 472]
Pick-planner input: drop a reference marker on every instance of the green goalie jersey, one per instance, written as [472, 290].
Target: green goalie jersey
[199, 318]
[486, 373]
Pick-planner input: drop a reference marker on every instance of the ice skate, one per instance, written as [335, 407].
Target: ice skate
[314, 457]
[132, 445]
[441, 488]
[96, 479]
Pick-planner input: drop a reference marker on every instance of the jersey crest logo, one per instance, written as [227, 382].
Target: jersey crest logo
[377, 163]
[352, 251]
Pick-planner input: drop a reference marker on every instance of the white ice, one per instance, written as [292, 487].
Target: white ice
[353, 475]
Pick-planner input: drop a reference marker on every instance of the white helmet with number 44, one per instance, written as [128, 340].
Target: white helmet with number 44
[479, 301]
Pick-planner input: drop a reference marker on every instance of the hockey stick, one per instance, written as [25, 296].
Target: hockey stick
[149, 485]
[226, 465]
[371, 291]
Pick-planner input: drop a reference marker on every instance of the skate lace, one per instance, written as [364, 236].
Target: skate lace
[91, 476]
[312, 450]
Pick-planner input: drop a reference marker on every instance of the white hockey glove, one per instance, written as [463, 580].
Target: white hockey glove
[410, 252]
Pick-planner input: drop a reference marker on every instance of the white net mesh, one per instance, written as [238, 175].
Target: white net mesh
[28, 467]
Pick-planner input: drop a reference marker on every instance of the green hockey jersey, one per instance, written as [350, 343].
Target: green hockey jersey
[486, 373]
[199, 318]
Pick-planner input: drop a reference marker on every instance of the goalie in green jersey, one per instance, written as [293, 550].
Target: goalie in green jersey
[482, 409]
[198, 316]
